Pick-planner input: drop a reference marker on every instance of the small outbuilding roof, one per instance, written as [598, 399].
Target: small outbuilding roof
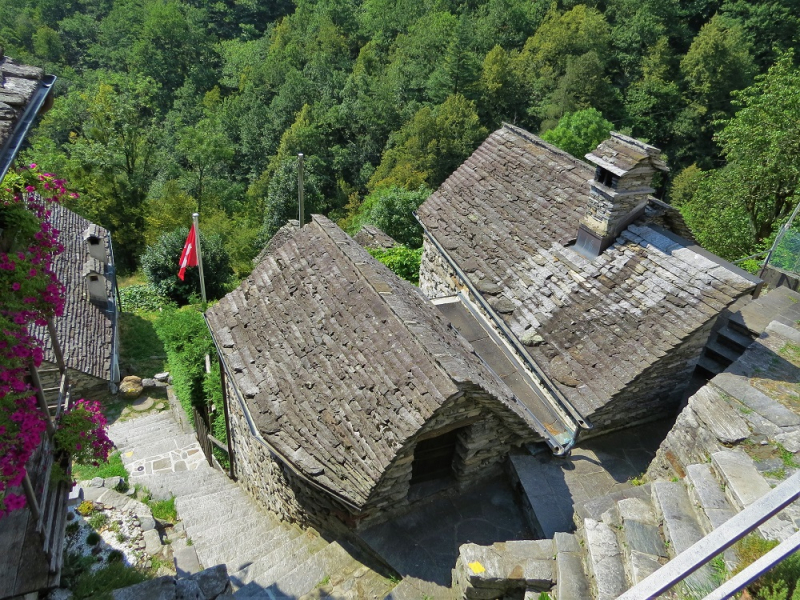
[370, 236]
[23, 91]
[508, 217]
[86, 330]
[340, 361]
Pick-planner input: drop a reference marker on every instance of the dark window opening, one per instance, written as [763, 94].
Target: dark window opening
[433, 458]
[94, 240]
[605, 177]
[93, 278]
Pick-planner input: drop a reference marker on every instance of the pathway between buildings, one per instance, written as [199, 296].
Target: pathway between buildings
[265, 557]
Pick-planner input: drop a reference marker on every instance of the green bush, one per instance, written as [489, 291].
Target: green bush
[186, 340]
[160, 266]
[400, 259]
[100, 583]
[580, 132]
[143, 297]
[113, 467]
[392, 210]
[781, 583]
[93, 538]
[212, 386]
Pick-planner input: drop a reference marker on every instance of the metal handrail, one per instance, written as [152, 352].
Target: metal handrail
[725, 536]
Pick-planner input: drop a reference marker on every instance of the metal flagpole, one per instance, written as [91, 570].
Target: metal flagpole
[300, 188]
[195, 218]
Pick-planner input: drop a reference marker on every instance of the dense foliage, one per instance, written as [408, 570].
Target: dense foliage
[160, 266]
[400, 259]
[166, 107]
[187, 341]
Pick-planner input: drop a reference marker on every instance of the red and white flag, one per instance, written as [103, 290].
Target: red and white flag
[189, 255]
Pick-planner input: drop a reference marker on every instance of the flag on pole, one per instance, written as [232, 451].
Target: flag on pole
[189, 255]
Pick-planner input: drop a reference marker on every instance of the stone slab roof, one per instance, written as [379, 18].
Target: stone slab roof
[339, 360]
[18, 84]
[85, 331]
[370, 236]
[621, 154]
[508, 216]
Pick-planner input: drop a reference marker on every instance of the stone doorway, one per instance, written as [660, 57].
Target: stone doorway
[433, 458]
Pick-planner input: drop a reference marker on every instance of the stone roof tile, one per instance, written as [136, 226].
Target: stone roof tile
[340, 361]
[511, 212]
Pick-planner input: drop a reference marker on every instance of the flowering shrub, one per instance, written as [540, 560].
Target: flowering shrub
[31, 293]
[81, 433]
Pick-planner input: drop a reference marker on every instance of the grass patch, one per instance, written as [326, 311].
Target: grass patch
[164, 510]
[99, 584]
[136, 278]
[113, 467]
[97, 520]
[638, 480]
[140, 349]
[781, 583]
[787, 457]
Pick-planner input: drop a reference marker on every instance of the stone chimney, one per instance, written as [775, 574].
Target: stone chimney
[94, 239]
[93, 273]
[619, 191]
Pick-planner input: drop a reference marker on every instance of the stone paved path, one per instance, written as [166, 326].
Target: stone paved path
[265, 557]
[597, 467]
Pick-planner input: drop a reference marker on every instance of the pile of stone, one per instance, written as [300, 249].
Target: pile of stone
[504, 570]
[210, 584]
[131, 387]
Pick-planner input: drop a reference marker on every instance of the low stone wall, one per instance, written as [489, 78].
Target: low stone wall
[656, 393]
[504, 570]
[210, 584]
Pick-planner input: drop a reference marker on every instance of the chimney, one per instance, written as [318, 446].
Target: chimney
[93, 273]
[619, 191]
[94, 237]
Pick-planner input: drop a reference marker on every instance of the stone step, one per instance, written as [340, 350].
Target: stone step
[735, 340]
[744, 485]
[239, 556]
[710, 366]
[642, 545]
[214, 501]
[680, 527]
[162, 446]
[603, 560]
[143, 439]
[705, 491]
[184, 482]
[222, 538]
[281, 560]
[571, 580]
[141, 426]
[721, 353]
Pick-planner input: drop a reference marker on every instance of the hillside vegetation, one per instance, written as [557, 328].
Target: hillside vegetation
[166, 107]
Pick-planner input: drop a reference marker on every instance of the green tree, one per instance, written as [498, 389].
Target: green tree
[458, 70]
[430, 146]
[281, 202]
[737, 207]
[391, 210]
[579, 133]
[160, 264]
[500, 89]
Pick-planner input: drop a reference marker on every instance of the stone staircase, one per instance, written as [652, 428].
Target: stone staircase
[265, 557]
[623, 537]
[740, 326]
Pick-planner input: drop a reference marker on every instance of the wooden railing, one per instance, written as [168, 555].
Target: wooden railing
[207, 441]
[738, 526]
[47, 500]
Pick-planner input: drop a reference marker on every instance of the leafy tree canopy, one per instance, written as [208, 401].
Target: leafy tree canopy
[579, 133]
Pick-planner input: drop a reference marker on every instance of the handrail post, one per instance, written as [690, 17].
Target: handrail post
[30, 496]
[34, 375]
[56, 346]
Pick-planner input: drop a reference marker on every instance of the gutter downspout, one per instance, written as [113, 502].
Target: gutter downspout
[12, 147]
[544, 380]
[257, 434]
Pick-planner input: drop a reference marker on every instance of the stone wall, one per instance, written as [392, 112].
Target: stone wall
[436, 278]
[83, 385]
[658, 391]
[481, 449]
[482, 445]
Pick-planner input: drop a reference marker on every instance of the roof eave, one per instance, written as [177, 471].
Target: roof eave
[12, 146]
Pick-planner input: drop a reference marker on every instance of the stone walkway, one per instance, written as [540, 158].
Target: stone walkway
[555, 486]
[266, 558]
[423, 545]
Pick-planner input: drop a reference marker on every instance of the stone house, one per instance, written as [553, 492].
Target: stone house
[349, 397]
[88, 329]
[593, 283]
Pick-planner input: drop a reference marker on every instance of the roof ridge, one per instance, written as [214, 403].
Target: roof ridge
[403, 322]
[537, 141]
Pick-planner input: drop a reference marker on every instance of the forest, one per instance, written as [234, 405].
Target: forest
[167, 107]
